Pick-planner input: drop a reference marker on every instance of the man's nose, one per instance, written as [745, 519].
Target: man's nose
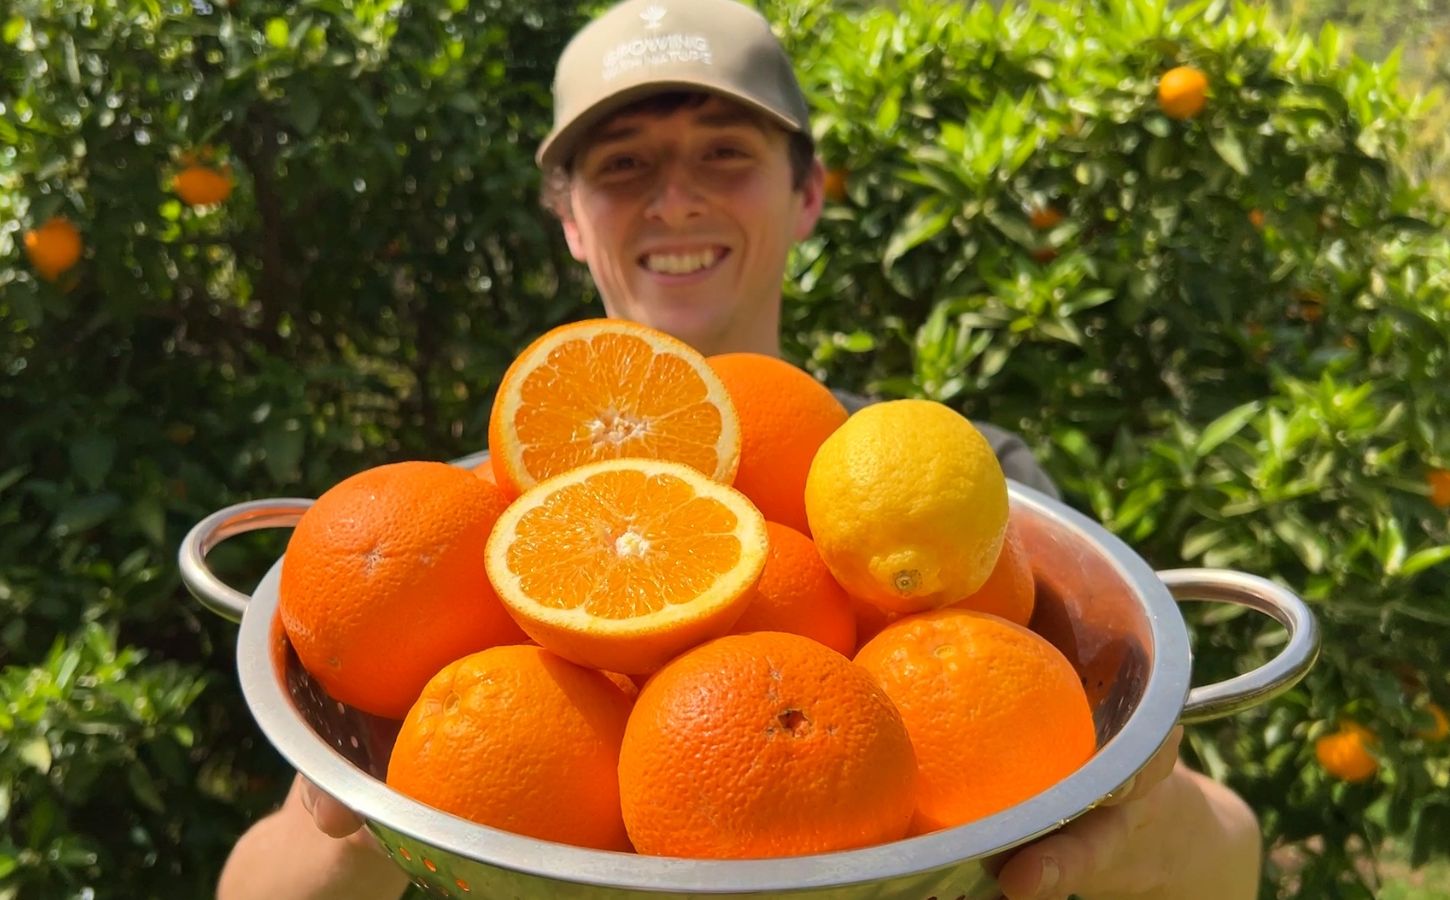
[675, 197]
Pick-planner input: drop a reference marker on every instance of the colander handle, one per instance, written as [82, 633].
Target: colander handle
[1225, 698]
[214, 594]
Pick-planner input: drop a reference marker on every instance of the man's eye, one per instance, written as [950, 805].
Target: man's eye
[618, 164]
[728, 153]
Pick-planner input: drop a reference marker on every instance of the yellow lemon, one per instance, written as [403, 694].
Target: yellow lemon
[908, 505]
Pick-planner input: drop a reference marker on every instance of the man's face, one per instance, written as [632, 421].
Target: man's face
[686, 220]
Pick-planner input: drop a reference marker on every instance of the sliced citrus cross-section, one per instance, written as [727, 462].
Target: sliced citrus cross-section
[623, 564]
[608, 389]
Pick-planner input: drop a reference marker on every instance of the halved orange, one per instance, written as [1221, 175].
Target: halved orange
[609, 389]
[623, 564]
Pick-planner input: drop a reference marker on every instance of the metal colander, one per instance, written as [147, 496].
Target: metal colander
[1113, 616]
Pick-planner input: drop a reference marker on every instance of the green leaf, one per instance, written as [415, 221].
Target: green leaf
[91, 456]
[85, 513]
[1226, 144]
[1226, 426]
[283, 445]
[1421, 560]
[1303, 539]
[305, 110]
[143, 787]
[921, 225]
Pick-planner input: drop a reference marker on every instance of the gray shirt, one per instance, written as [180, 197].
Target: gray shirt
[1017, 460]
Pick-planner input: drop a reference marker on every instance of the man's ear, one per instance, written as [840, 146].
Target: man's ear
[572, 236]
[813, 199]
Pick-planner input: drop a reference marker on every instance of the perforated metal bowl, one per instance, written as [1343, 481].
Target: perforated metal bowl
[1113, 616]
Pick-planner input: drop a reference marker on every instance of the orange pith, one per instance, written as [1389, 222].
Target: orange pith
[621, 564]
[609, 389]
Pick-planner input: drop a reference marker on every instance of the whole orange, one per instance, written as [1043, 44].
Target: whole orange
[1045, 217]
[797, 594]
[1182, 92]
[1010, 591]
[785, 415]
[834, 185]
[763, 745]
[520, 739]
[996, 714]
[1439, 482]
[53, 247]
[200, 185]
[383, 582]
[1345, 753]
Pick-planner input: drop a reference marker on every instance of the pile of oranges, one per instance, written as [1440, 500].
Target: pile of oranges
[690, 607]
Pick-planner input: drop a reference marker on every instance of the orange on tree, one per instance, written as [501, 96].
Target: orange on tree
[607, 389]
[1010, 591]
[1182, 92]
[1345, 752]
[785, 415]
[907, 505]
[624, 563]
[1257, 219]
[797, 594]
[764, 745]
[202, 185]
[996, 714]
[1045, 217]
[1439, 482]
[53, 247]
[521, 739]
[383, 582]
[835, 184]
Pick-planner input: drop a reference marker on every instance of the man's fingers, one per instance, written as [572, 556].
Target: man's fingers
[1066, 862]
[331, 817]
[1156, 769]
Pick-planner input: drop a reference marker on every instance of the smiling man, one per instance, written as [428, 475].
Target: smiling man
[682, 170]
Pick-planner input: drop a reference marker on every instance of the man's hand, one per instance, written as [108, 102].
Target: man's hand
[1141, 842]
[331, 817]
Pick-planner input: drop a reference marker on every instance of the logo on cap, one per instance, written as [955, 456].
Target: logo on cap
[655, 48]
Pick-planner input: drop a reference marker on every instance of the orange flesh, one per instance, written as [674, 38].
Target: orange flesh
[623, 544]
[664, 413]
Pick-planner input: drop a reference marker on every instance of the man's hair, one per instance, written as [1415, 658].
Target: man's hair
[801, 146]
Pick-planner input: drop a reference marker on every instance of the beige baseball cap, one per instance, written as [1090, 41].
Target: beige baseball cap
[642, 47]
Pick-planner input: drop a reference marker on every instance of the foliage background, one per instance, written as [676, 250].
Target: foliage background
[1270, 400]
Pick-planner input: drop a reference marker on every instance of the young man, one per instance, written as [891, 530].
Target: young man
[682, 170]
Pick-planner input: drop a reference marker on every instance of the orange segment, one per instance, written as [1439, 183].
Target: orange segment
[609, 389]
[622, 564]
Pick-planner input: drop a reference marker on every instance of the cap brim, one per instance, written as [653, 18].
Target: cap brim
[559, 146]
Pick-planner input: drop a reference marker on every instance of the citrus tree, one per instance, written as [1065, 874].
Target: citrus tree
[1221, 316]
[290, 241]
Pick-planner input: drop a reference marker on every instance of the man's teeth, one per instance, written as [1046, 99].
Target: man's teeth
[680, 263]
